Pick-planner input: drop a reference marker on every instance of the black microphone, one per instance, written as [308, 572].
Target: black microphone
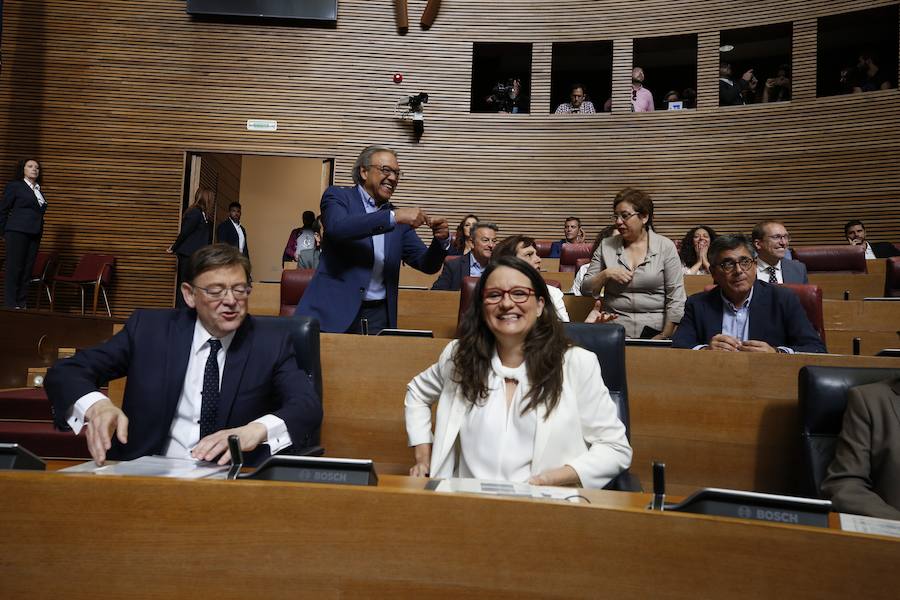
[659, 486]
[237, 456]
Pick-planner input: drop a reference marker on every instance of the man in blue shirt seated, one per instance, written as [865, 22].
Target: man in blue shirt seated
[484, 236]
[743, 314]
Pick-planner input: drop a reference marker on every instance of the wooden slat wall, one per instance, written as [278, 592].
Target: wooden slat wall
[110, 95]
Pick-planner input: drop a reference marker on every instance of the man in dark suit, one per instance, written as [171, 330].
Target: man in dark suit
[484, 237]
[231, 232]
[742, 314]
[771, 240]
[195, 376]
[855, 232]
[863, 477]
[354, 289]
[21, 225]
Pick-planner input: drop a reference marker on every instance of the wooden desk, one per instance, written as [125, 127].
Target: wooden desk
[77, 536]
[877, 324]
[859, 285]
[427, 309]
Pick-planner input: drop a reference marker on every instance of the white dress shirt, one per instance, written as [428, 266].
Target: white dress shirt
[184, 432]
[240, 234]
[870, 254]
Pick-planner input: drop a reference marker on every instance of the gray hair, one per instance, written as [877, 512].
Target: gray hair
[365, 159]
[483, 225]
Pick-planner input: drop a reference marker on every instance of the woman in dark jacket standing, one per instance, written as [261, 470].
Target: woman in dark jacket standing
[196, 232]
[21, 224]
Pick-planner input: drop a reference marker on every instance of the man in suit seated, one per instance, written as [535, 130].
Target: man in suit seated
[863, 477]
[195, 376]
[771, 240]
[231, 232]
[484, 237]
[743, 314]
[855, 232]
[355, 286]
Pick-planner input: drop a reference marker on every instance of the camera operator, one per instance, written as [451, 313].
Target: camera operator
[506, 96]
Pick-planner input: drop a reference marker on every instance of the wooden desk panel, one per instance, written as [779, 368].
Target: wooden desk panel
[859, 285]
[426, 309]
[415, 278]
[877, 324]
[222, 539]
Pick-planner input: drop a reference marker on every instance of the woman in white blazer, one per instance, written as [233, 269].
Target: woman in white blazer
[516, 401]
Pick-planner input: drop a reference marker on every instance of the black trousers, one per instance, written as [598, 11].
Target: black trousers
[375, 315]
[183, 262]
[21, 249]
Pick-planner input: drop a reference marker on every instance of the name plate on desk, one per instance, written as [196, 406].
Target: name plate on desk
[756, 506]
[316, 469]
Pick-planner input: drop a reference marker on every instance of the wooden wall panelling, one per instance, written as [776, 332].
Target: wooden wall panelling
[111, 96]
[803, 67]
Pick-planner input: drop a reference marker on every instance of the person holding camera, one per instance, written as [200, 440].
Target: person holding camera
[506, 96]
[731, 93]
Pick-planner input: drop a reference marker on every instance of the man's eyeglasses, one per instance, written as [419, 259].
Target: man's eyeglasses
[780, 238]
[516, 294]
[729, 265]
[388, 171]
[218, 292]
[622, 216]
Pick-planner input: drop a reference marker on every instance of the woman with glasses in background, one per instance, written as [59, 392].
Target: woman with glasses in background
[516, 401]
[638, 271]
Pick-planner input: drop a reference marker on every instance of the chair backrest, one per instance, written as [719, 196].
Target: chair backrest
[844, 258]
[607, 341]
[544, 248]
[293, 284]
[581, 262]
[892, 277]
[451, 257]
[44, 264]
[466, 293]
[811, 300]
[93, 266]
[553, 282]
[570, 253]
[823, 399]
[304, 333]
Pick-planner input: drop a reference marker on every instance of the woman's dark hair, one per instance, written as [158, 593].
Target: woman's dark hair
[545, 345]
[459, 240]
[639, 200]
[20, 169]
[510, 246]
[687, 253]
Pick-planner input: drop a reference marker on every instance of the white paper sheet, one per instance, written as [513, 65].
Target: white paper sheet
[162, 466]
[871, 525]
[507, 488]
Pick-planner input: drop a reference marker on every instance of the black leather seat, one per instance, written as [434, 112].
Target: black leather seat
[305, 337]
[607, 341]
[823, 399]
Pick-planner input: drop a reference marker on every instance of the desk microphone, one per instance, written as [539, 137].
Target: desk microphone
[237, 456]
[659, 486]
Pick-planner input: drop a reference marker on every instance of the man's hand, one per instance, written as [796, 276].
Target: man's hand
[101, 419]
[440, 227]
[414, 217]
[748, 75]
[619, 275]
[251, 435]
[756, 346]
[724, 343]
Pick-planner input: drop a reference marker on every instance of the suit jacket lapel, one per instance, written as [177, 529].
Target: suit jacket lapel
[235, 361]
[760, 313]
[181, 337]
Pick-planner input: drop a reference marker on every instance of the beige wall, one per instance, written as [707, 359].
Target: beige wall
[275, 190]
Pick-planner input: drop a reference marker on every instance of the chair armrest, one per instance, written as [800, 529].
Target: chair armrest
[626, 481]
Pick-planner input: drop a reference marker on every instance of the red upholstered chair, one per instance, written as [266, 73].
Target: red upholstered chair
[543, 247]
[92, 271]
[892, 277]
[553, 282]
[293, 284]
[571, 253]
[466, 293]
[452, 257]
[45, 264]
[581, 262]
[843, 258]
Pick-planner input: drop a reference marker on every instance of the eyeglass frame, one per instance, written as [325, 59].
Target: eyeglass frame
[780, 237]
[223, 293]
[745, 263]
[618, 216]
[386, 170]
[529, 293]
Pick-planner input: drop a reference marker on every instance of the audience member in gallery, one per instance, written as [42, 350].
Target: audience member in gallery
[855, 232]
[771, 240]
[516, 401]
[778, 88]
[641, 98]
[868, 76]
[524, 247]
[21, 225]
[862, 478]
[577, 102]
[196, 232]
[484, 237]
[638, 271]
[730, 91]
[462, 239]
[694, 251]
[743, 314]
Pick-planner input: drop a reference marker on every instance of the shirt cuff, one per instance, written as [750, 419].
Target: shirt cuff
[393, 219]
[785, 350]
[700, 347]
[277, 436]
[75, 418]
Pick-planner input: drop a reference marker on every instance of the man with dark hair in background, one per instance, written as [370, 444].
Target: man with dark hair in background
[195, 376]
[868, 76]
[731, 93]
[577, 102]
[355, 286]
[743, 314]
[855, 232]
[231, 232]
